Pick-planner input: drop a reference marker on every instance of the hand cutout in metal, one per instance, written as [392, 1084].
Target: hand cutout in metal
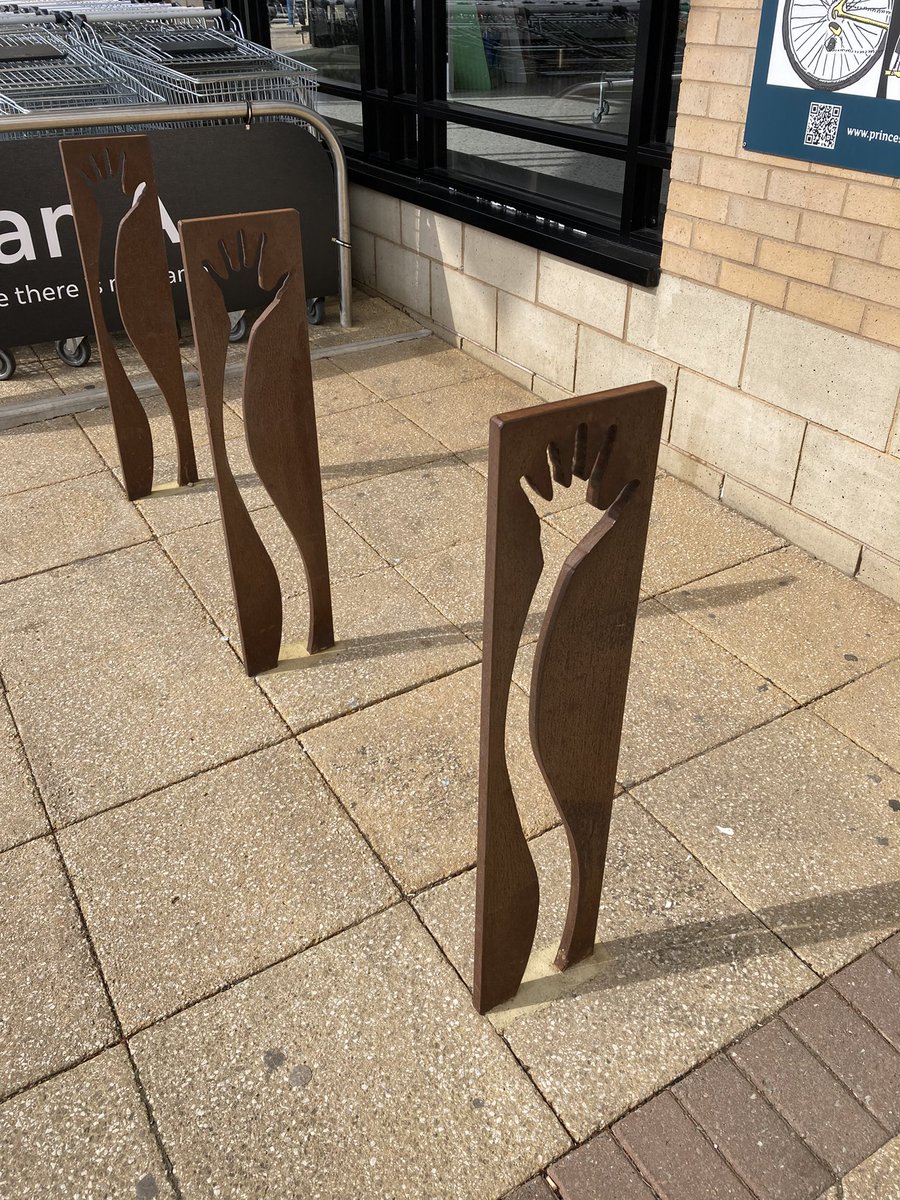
[580, 675]
[279, 414]
[241, 280]
[116, 211]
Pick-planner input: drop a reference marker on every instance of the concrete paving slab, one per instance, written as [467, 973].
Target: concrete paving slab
[389, 640]
[169, 509]
[84, 1133]
[377, 440]
[358, 1068]
[690, 535]
[62, 522]
[453, 581]
[53, 1010]
[405, 368]
[46, 452]
[800, 623]
[22, 815]
[682, 969]
[120, 683]
[685, 694]
[372, 318]
[407, 771]
[335, 390]
[416, 512]
[98, 427]
[199, 554]
[868, 712]
[459, 414]
[878, 1178]
[798, 823]
[212, 879]
[31, 379]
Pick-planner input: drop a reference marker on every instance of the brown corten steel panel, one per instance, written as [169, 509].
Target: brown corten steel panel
[873, 989]
[758, 1145]
[117, 172]
[674, 1156]
[262, 251]
[599, 1170]
[808, 1096]
[580, 674]
[852, 1049]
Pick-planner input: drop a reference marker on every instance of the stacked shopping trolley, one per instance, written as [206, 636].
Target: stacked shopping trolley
[105, 53]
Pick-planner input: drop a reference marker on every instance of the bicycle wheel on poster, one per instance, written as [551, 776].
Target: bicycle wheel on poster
[831, 45]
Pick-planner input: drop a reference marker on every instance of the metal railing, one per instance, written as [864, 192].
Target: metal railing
[61, 119]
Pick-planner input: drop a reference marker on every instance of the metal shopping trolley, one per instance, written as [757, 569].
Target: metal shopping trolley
[39, 70]
[194, 61]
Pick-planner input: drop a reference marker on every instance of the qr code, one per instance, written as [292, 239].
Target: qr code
[822, 126]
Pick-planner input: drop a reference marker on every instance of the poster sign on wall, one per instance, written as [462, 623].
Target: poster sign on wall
[826, 83]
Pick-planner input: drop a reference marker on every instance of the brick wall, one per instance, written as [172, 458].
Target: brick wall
[816, 241]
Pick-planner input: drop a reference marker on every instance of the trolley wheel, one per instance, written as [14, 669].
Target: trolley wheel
[315, 310]
[7, 364]
[75, 352]
[238, 329]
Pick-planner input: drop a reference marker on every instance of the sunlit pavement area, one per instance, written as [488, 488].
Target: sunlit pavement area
[237, 915]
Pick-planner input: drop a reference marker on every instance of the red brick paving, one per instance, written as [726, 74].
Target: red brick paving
[873, 989]
[750, 1135]
[674, 1156]
[782, 1115]
[812, 1100]
[852, 1049]
[599, 1170]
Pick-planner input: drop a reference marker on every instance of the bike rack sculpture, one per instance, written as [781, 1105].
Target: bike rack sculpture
[581, 665]
[224, 257]
[105, 174]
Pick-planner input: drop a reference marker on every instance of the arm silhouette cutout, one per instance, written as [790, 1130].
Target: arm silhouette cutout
[102, 175]
[610, 440]
[279, 414]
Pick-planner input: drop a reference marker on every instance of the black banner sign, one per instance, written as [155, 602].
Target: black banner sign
[200, 171]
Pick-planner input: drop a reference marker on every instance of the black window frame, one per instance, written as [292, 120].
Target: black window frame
[405, 112]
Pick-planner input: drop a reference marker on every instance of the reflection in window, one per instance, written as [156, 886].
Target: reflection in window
[553, 172]
[551, 61]
[333, 40]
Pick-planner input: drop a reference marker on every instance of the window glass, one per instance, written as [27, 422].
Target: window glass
[549, 172]
[551, 60]
[345, 115]
[333, 39]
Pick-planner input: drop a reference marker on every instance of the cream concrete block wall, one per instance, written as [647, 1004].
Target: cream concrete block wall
[791, 421]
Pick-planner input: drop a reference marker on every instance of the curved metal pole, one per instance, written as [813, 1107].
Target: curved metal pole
[53, 120]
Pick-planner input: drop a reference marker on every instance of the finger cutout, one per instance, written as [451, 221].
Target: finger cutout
[257, 261]
[538, 477]
[565, 455]
[598, 471]
[579, 455]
